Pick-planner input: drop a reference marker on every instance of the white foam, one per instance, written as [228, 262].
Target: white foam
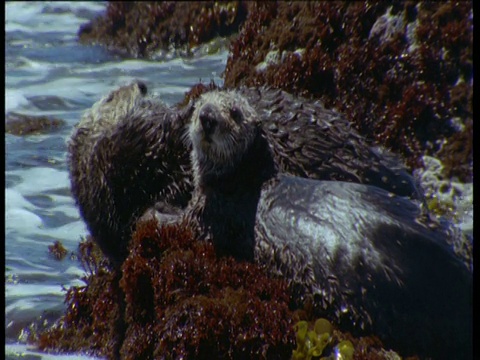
[23, 351]
[68, 209]
[14, 199]
[70, 88]
[68, 233]
[19, 13]
[26, 264]
[21, 219]
[40, 179]
[14, 99]
[76, 272]
[38, 17]
[32, 291]
[19, 214]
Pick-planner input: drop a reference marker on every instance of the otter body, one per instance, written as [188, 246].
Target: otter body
[124, 156]
[375, 264]
[310, 141]
[369, 258]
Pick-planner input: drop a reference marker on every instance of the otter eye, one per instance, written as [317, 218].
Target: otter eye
[236, 114]
[143, 88]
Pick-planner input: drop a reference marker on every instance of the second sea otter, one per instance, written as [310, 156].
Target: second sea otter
[125, 155]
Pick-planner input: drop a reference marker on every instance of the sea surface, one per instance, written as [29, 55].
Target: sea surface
[49, 73]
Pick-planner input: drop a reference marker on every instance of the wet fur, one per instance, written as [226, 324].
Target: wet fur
[371, 260]
[123, 157]
[310, 141]
[228, 173]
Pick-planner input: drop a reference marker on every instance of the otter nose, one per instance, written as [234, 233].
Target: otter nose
[207, 119]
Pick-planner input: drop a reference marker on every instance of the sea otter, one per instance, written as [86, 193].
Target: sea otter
[127, 154]
[369, 258]
[124, 156]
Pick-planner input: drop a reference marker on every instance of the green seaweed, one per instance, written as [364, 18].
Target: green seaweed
[344, 350]
[312, 343]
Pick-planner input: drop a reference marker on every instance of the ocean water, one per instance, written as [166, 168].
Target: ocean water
[49, 73]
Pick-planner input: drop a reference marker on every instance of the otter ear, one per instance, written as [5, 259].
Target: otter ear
[186, 112]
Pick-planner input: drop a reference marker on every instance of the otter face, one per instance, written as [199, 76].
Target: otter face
[222, 128]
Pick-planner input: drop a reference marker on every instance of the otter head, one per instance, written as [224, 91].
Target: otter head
[223, 127]
[137, 89]
[117, 104]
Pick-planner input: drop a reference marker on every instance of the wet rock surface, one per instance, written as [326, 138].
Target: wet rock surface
[20, 124]
[145, 29]
[401, 73]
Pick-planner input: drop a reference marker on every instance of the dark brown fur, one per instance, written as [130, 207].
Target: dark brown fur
[124, 156]
[313, 142]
